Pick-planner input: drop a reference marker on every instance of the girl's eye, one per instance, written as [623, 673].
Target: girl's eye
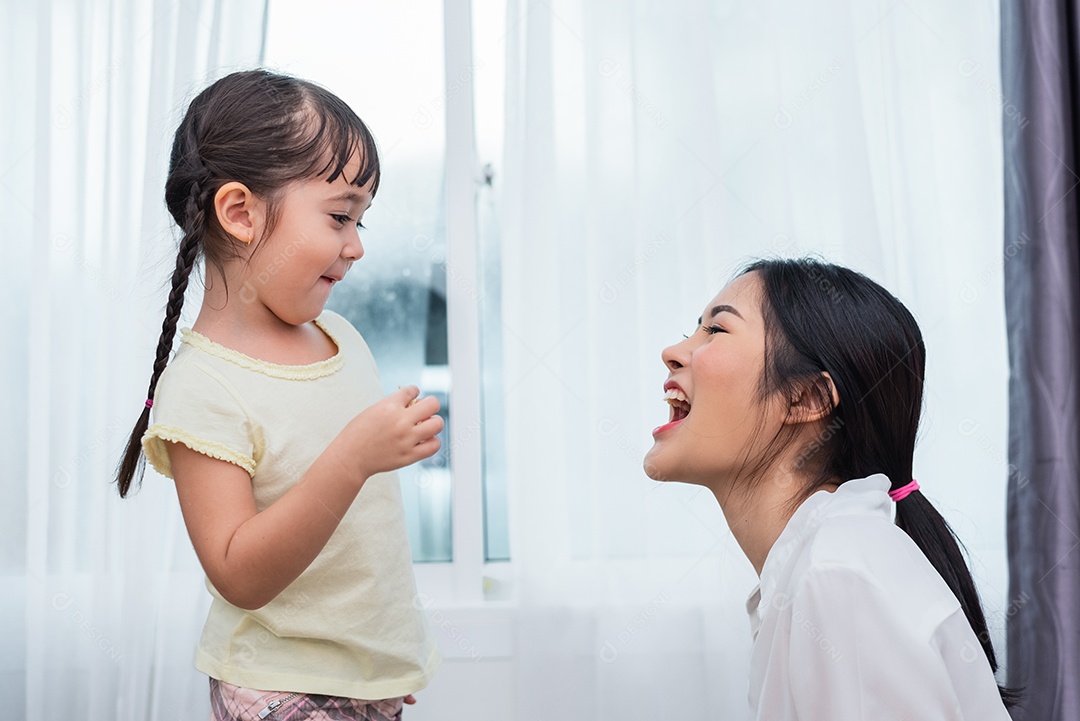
[343, 219]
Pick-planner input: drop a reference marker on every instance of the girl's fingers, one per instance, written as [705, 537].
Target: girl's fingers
[412, 393]
[428, 447]
[425, 407]
[431, 427]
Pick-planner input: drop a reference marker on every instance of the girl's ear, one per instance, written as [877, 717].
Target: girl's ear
[238, 211]
[814, 400]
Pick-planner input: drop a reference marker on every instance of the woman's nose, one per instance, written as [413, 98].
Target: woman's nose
[675, 356]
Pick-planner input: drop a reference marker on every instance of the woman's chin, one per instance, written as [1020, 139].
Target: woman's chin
[654, 466]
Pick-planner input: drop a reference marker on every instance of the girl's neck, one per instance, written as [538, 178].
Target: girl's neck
[252, 329]
[225, 314]
[758, 515]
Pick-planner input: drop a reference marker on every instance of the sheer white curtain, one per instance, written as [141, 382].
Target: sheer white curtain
[650, 150]
[101, 600]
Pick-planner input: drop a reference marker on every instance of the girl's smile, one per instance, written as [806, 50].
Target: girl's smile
[287, 275]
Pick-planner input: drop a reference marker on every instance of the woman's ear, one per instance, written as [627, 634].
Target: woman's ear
[814, 400]
[238, 211]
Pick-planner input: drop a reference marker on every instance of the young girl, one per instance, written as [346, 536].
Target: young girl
[271, 420]
[796, 402]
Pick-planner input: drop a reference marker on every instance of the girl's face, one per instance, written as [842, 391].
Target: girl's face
[716, 411]
[313, 244]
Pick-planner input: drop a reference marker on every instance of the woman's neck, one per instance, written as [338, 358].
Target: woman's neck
[758, 515]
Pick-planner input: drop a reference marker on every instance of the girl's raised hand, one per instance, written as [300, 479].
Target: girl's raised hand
[397, 431]
[250, 555]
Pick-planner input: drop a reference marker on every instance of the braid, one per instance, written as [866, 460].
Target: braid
[185, 261]
[134, 461]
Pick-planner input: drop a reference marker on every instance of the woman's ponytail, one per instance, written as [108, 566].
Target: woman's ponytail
[917, 517]
[821, 317]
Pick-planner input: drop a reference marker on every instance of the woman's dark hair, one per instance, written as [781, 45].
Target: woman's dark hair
[821, 317]
[261, 129]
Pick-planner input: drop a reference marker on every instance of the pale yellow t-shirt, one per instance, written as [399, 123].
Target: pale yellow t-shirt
[350, 625]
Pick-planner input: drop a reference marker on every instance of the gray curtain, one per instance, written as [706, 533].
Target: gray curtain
[1040, 62]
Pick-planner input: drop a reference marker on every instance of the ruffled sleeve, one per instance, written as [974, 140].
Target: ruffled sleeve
[194, 405]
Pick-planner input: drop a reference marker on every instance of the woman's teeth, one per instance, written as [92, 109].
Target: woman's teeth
[680, 406]
[674, 394]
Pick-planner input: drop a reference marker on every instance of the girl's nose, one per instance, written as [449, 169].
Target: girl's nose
[353, 250]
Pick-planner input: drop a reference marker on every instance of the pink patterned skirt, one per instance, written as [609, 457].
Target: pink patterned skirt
[233, 703]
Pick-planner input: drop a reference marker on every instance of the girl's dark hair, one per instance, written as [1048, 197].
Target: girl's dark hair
[821, 317]
[264, 130]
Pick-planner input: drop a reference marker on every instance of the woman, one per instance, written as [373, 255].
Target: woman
[796, 402]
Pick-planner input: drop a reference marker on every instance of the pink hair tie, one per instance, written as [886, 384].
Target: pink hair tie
[902, 492]
[149, 402]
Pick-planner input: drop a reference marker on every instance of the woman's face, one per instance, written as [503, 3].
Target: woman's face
[713, 389]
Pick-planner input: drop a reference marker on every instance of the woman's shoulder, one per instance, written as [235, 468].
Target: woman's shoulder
[853, 527]
[872, 556]
[863, 538]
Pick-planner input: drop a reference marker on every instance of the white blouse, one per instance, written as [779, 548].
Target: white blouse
[851, 622]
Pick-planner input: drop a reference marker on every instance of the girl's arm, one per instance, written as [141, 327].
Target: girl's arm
[249, 556]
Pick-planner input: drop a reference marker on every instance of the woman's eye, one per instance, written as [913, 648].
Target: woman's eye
[708, 329]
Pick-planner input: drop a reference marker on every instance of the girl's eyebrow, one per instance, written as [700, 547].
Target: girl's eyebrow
[717, 310]
[350, 195]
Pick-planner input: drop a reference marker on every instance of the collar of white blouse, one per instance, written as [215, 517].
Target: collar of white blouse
[859, 496]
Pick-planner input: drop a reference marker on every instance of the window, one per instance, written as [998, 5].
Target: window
[427, 288]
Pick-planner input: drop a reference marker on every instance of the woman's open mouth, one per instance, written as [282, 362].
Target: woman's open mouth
[680, 409]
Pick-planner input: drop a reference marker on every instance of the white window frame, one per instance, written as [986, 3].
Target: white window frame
[461, 583]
